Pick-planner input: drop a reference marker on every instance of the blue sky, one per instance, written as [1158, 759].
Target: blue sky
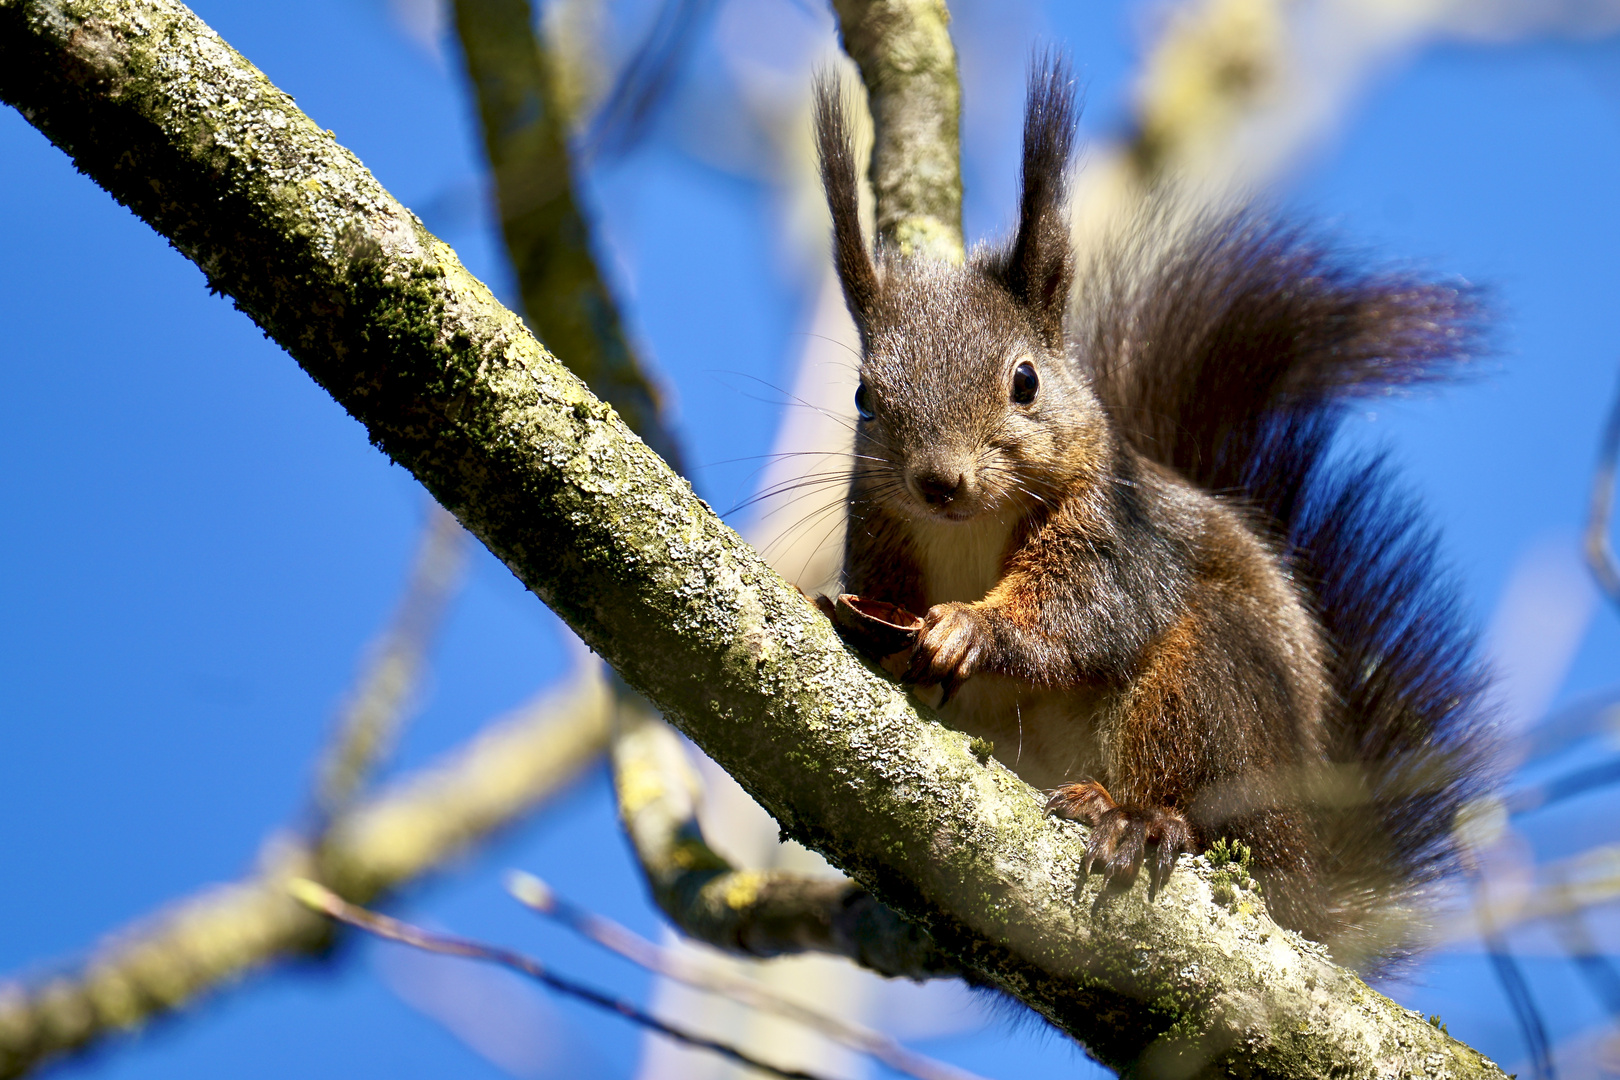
[199, 543]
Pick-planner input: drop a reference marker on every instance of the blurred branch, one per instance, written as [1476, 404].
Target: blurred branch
[903, 49]
[566, 300]
[152, 105]
[647, 77]
[321, 899]
[1576, 884]
[757, 913]
[502, 774]
[219, 936]
[1599, 550]
[1214, 63]
[621, 940]
[1212, 70]
[158, 965]
[1523, 1004]
[1598, 715]
[1599, 971]
[371, 716]
[1532, 797]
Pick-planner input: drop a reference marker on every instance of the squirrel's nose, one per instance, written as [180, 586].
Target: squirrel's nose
[939, 489]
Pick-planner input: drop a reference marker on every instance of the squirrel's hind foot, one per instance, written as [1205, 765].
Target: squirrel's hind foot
[1122, 835]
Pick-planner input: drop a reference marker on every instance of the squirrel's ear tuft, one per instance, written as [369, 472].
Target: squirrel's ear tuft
[855, 268]
[1039, 266]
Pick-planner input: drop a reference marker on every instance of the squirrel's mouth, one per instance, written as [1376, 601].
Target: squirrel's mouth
[957, 511]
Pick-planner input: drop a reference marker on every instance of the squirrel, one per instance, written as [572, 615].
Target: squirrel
[1143, 574]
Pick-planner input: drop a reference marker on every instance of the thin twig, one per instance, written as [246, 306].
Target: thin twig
[617, 938]
[1599, 551]
[325, 900]
[648, 76]
[1567, 786]
[1516, 988]
[1524, 1007]
[371, 717]
[1597, 715]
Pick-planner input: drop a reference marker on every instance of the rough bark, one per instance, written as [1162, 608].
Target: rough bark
[159, 111]
[759, 913]
[565, 298]
[904, 52]
[568, 304]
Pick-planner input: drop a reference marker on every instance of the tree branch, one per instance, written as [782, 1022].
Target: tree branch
[526, 137]
[677, 966]
[907, 61]
[319, 898]
[158, 110]
[508, 65]
[758, 913]
[1215, 62]
[164, 962]
[370, 718]
[441, 810]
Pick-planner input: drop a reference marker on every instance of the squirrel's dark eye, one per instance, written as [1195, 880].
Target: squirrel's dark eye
[1025, 383]
[863, 402]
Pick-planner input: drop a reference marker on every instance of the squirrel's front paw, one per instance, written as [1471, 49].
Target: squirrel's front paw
[1120, 839]
[950, 647]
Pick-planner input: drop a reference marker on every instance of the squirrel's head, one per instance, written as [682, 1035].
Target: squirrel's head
[968, 402]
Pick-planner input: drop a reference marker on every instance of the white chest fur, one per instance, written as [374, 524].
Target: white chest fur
[1046, 736]
[960, 560]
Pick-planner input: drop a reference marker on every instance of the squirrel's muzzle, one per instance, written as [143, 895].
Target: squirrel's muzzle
[939, 488]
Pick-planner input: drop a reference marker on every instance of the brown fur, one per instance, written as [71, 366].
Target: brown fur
[1103, 541]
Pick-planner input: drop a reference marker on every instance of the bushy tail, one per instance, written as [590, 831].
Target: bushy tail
[1408, 730]
[1232, 354]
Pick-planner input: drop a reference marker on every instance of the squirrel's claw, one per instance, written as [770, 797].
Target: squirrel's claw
[1122, 836]
[1164, 862]
[949, 648]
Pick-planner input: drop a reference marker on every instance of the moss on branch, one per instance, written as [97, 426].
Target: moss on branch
[159, 111]
[525, 131]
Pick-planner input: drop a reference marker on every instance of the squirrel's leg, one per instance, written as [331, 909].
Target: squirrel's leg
[1159, 747]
